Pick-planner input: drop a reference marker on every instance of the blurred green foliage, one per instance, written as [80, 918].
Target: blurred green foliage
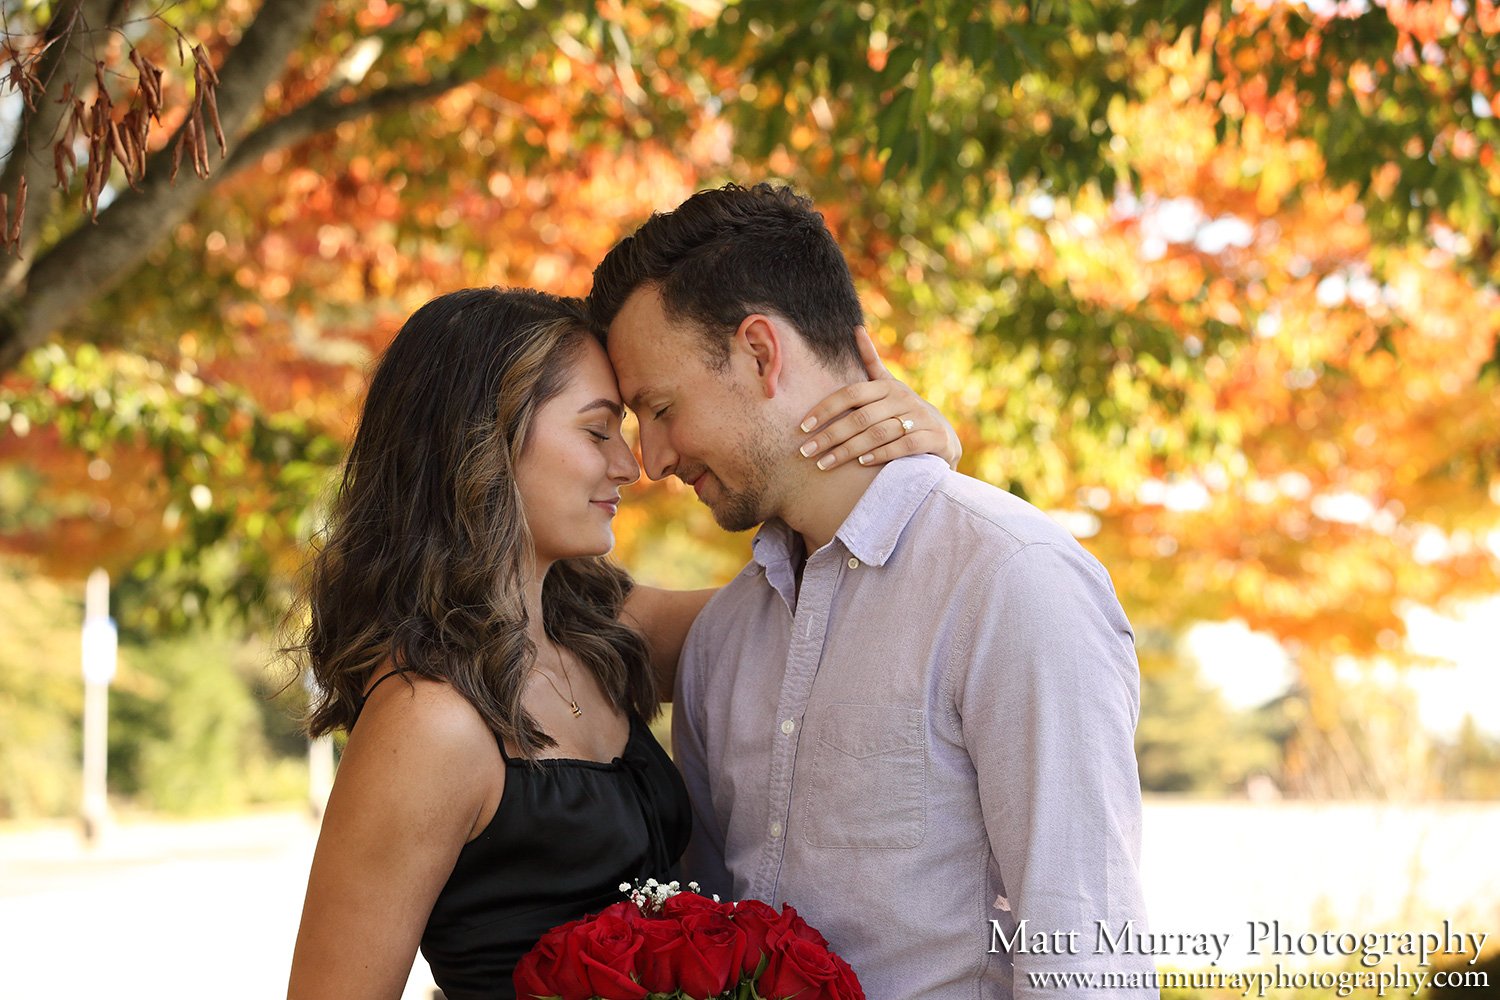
[193, 724]
[1189, 741]
[41, 696]
[194, 727]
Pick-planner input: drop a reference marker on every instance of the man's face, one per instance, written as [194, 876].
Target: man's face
[701, 425]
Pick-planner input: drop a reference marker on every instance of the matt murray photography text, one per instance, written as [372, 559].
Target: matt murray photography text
[1263, 937]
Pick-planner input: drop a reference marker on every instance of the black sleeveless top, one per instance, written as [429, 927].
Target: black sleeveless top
[566, 833]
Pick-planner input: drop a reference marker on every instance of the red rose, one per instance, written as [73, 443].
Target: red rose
[595, 957]
[661, 940]
[606, 949]
[848, 984]
[755, 920]
[685, 903]
[545, 971]
[799, 928]
[712, 952]
[625, 909]
[528, 975]
[807, 971]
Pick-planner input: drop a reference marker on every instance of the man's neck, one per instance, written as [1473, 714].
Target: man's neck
[820, 503]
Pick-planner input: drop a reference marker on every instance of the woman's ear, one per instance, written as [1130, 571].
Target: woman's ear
[758, 343]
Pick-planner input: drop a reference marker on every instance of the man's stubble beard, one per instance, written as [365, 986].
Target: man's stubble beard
[760, 448]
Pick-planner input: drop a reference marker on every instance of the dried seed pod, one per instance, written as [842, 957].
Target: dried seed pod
[15, 227]
[200, 55]
[149, 81]
[125, 137]
[177, 153]
[33, 84]
[92, 185]
[117, 147]
[200, 142]
[101, 114]
[140, 130]
[79, 121]
[212, 100]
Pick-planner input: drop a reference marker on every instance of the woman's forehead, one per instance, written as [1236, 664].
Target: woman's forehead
[592, 374]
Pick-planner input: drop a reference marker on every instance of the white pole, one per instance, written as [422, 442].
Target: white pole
[100, 652]
[319, 773]
[319, 762]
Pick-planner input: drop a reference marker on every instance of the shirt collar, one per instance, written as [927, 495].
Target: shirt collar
[873, 527]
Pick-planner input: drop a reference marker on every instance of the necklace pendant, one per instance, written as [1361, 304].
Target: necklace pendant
[577, 712]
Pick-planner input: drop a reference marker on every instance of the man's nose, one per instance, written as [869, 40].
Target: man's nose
[657, 455]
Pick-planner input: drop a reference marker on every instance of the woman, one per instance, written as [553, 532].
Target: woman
[463, 613]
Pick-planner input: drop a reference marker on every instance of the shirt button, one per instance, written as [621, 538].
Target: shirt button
[788, 726]
[775, 830]
[853, 563]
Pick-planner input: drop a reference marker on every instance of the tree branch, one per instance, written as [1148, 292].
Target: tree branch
[325, 112]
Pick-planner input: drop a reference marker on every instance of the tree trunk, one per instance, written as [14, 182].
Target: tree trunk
[97, 256]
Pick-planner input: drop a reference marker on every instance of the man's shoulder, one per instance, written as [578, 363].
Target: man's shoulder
[748, 589]
[964, 514]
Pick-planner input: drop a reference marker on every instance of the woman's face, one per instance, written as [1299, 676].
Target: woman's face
[575, 463]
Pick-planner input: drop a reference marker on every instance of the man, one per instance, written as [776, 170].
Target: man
[912, 713]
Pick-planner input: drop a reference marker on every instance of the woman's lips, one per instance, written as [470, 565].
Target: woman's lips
[612, 506]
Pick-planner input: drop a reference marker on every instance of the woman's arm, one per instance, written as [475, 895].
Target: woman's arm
[421, 774]
[664, 617]
[870, 429]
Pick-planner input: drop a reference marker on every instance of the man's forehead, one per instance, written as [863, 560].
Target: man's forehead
[631, 366]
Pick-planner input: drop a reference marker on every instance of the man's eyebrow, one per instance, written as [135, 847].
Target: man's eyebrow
[637, 401]
[608, 404]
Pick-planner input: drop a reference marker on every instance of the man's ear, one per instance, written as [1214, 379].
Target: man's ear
[759, 344]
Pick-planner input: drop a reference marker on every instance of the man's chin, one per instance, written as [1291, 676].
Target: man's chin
[733, 514]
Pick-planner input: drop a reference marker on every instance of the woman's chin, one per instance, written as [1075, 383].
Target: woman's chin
[601, 546]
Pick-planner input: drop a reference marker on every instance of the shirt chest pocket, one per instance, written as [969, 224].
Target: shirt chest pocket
[868, 770]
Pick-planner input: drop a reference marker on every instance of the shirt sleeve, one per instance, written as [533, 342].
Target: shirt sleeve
[704, 860]
[1047, 711]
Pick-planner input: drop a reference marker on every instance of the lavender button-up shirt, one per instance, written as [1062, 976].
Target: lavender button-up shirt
[934, 733]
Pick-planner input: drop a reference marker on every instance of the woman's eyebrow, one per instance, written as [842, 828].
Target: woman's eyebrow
[608, 404]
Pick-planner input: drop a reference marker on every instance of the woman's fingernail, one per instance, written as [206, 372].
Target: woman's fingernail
[808, 425]
[808, 449]
[825, 461]
[866, 459]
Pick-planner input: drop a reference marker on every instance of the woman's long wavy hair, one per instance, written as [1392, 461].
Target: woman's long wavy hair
[427, 552]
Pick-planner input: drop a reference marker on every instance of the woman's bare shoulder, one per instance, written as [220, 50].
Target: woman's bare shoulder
[419, 724]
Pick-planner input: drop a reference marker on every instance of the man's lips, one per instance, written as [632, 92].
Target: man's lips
[698, 482]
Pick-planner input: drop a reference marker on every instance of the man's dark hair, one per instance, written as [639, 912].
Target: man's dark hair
[729, 252]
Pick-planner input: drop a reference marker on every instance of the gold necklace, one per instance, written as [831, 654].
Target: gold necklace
[572, 701]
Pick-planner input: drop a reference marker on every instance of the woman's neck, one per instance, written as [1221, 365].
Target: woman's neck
[532, 600]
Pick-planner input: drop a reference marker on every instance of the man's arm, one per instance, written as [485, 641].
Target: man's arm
[704, 861]
[1047, 711]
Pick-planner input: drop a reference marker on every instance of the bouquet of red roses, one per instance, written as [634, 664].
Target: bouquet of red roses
[671, 945]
